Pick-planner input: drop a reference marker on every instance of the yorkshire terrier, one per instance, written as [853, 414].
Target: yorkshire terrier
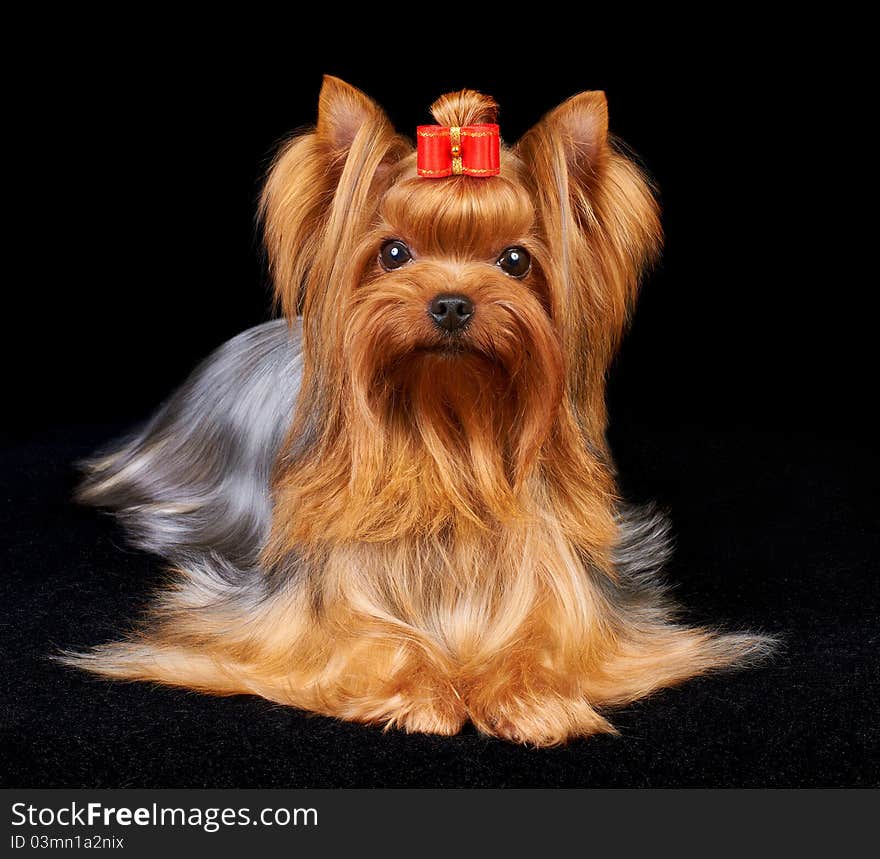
[397, 505]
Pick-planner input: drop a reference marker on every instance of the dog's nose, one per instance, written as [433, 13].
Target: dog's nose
[451, 311]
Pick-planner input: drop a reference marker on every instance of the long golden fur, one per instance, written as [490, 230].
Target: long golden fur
[444, 520]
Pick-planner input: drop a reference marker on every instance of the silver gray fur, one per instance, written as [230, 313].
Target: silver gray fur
[193, 484]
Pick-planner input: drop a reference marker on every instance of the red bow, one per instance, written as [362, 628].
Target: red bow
[470, 150]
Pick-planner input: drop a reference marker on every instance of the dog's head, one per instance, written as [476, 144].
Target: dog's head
[471, 318]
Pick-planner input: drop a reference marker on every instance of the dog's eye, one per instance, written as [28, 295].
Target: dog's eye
[394, 254]
[515, 261]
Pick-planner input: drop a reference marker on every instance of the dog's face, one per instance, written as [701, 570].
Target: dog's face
[449, 321]
[471, 319]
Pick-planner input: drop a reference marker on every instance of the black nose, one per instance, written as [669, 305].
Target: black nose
[451, 311]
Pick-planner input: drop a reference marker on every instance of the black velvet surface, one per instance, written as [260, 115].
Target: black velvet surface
[775, 532]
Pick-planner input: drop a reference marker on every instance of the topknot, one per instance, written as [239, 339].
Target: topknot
[465, 107]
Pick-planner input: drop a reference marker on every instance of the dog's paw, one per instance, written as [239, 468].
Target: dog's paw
[428, 717]
[539, 720]
[423, 712]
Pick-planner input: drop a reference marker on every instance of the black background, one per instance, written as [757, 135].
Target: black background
[742, 400]
[143, 167]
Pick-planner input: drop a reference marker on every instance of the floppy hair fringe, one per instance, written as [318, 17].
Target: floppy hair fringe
[292, 211]
[317, 197]
[365, 173]
[606, 221]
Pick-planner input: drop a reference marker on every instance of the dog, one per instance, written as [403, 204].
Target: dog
[396, 505]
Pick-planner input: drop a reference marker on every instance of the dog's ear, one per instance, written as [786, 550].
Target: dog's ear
[579, 128]
[350, 121]
[589, 192]
[342, 111]
[322, 188]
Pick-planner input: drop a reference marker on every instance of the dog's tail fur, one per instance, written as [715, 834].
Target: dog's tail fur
[194, 482]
